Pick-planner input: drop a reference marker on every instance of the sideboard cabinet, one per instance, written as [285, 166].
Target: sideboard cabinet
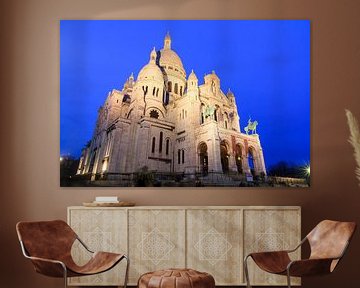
[212, 239]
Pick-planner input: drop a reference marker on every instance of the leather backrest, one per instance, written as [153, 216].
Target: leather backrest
[329, 238]
[46, 239]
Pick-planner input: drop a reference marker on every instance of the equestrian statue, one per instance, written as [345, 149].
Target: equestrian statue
[251, 127]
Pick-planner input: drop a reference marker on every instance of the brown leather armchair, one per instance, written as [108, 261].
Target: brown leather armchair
[328, 242]
[48, 245]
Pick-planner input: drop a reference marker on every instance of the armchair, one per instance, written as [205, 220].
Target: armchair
[48, 245]
[328, 242]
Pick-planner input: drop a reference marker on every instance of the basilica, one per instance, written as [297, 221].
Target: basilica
[168, 123]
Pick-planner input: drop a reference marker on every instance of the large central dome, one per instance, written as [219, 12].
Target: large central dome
[170, 60]
[169, 57]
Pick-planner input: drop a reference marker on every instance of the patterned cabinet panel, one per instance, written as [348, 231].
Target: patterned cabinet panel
[214, 244]
[101, 230]
[267, 230]
[210, 239]
[156, 240]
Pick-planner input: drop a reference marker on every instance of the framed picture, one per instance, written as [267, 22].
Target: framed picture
[185, 103]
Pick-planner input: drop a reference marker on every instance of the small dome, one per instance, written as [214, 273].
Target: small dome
[192, 76]
[230, 93]
[151, 71]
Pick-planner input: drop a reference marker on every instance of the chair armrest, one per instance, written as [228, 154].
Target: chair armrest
[49, 267]
[280, 251]
[271, 261]
[309, 267]
[268, 253]
[46, 260]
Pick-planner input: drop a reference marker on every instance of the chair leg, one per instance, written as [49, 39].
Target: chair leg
[65, 276]
[126, 271]
[246, 272]
[288, 278]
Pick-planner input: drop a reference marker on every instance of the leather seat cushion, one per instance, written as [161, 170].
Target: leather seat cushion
[176, 278]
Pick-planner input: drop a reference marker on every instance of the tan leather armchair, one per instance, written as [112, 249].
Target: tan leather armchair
[328, 242]
[48, 245]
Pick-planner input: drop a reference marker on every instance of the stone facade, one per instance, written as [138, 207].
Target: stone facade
[169, 123]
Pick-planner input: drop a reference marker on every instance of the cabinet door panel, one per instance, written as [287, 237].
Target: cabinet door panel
[270, 230]
[209, 239]
[100, 230]
[156, 240]
[214, 244]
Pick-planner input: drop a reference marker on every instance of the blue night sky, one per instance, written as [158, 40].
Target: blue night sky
[266, 64]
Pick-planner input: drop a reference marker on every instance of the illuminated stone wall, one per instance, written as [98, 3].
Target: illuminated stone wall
[160, 120]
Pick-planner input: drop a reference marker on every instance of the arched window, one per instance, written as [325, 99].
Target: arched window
[153, 145]
[179, 151]
[226, 120]
[251, 161]
[157, 92]
[167, 146]
[160, 142]
[224, 156]
[203, 158]
[169, 86]
[202, 119]
[92, 161]
[181, 90]
[238, 158]
[165, 97]
[176, 88]
[129, 114]
[183, 156]
[108, 144]
[213, 88]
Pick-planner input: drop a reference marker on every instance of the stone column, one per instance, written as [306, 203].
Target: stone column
[142, 145]
[245, 163]
[232, 162]
[213, 143]
[262, 161]
[95, 168]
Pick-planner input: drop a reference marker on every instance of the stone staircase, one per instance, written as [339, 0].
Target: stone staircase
[219, 179]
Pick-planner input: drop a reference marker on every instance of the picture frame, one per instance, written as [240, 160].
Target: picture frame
[246, 124]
